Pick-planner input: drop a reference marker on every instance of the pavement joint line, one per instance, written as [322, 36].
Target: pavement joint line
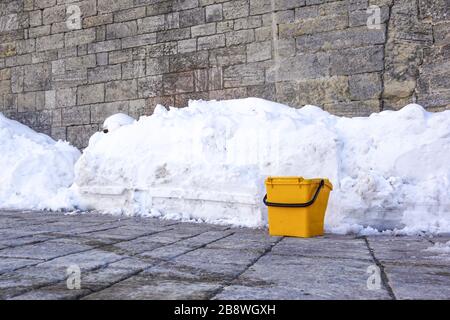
[384, 277]
[157, 262]
[48, 284]
[229, 282]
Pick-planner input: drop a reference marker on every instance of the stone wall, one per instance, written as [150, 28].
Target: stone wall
[129, 55]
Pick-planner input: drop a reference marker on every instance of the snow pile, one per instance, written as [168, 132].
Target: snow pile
[35, 170]
[208, 162]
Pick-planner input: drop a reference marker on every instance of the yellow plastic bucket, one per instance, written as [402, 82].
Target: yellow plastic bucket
[296, 205]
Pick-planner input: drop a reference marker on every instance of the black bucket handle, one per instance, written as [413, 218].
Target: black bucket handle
[295, 205]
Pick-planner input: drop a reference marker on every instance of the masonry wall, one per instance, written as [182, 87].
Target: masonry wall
[130, 55]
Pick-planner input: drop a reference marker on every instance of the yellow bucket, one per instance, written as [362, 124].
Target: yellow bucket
[296, 206]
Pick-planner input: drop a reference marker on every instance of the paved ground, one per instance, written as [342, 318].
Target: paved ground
[131, 258]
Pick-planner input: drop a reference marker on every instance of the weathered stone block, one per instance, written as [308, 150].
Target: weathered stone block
[105, 6]
[214, 12]
[243, 75]
[192, 17]
[91, 94]
[260, 6]
[172, 20]
[133, 69]
[39, 31]
[365, 86]
[140, 40]
[104, 46]
[259, 51]
[104, 73]
[26, 102]
[80, 37]
[228, 56]
[312, 25]
[37, 77]
[151, 86]
[304, 66]
[129, 14]
[184, 4]
[358, 60]
[203, 29]
[288, 4]
[240, 37]
[121, 90]
[211, 42]
[35, 18]
[83, 62]
[54, 14]
[173, 35]
[251, 22]
[66, 97]
[157, 66]
[121, 30]
[235, 9]
[200, 80]
[151, 24]
[226, 94]
[75, 115]
[120, 56]
[188, 45]
[265, 91]
[225, 26]
[189, 61]
[348, 38]
[55, 41]
[99, 20]
[181, 82]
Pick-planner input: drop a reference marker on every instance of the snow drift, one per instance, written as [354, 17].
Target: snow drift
[208, 162]
[35, 170]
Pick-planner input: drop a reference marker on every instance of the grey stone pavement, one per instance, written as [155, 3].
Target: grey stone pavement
[144, 258]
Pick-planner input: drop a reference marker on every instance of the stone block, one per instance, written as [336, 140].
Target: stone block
[80, 37]
[365, 86]
[157, 66]
[188, 45]
[203, 29]
[228, 56]
[51, 42]
[99, 20]
[189, 61]
[312, 25]
[260, 6]
[133, 69]
[104, 73]
[214, 12]
[211, 42]
[259, 51]
[151, 86]
[173, 35]
[235, 9]
[121, 90]
[181, 82]
[140, 40]
[151, 24]
[192, 17]
[357, 60]
[104, 46]
[240, 37]
[75, 115]
[37, 77]
[91, 94]
[243, 75]
[129, 14]
[121, 30]
[304, 66]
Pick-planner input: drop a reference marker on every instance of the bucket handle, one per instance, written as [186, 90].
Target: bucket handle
[295, 205]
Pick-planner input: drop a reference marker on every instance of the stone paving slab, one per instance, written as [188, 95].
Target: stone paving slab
[146, 258]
